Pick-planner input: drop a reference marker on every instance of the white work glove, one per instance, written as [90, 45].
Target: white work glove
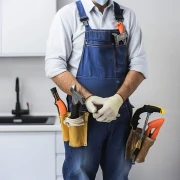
[110, 109]
[92, 101]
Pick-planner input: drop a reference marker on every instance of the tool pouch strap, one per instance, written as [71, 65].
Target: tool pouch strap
[134, 137]
[76, 135]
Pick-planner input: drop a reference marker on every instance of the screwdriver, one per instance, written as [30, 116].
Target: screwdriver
[58, 102]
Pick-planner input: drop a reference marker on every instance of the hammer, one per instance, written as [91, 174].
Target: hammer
[77, 99]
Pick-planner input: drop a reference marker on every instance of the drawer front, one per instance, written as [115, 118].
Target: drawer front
[59, 178]
[59, 164]
[59, 143]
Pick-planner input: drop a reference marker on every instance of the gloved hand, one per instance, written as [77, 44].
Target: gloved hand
[92, 101]
[110, 109]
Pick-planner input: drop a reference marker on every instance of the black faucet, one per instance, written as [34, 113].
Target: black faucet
[18, 111]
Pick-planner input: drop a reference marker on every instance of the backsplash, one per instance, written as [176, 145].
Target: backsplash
[34, 86]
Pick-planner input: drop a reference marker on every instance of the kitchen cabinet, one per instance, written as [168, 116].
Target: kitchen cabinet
[25, 26]
[33, 152]
[0, 26]
[27, 156]
[59, 154]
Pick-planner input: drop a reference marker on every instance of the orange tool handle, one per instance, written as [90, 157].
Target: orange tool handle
[156, 124]
[61, 107]
[121, 27]
[58, 102]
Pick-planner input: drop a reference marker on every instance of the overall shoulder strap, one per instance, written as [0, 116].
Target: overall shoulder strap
[118, 12]
[83, 17]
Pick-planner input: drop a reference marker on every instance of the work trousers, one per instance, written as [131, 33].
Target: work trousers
[106, 147]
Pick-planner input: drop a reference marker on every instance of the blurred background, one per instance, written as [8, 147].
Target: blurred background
[22, 50]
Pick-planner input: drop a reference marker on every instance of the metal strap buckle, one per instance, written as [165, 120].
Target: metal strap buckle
[85, 20]
[85, 23]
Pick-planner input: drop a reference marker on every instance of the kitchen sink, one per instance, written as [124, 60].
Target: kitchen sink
[21, 116]
[27, 120]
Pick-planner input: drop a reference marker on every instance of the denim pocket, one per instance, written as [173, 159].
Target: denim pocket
[97, 61]
[125, 113]
[129, 109]
[120, 57]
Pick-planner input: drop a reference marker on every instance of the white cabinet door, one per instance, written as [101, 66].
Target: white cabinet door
[27, 156]
[59, 178]
[0, 25]
[25, 26]
[59, 164]
[59, 143]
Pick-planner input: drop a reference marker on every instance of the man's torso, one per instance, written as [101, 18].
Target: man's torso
[97, 20]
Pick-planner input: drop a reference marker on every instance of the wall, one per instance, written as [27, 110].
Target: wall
[161, 26]
[34, 86]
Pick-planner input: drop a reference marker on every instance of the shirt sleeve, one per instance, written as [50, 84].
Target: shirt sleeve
[59, 45]
[136, 51]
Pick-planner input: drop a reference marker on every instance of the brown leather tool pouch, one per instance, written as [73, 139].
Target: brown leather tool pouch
[134, 137]
[131, 142]
[76, 135]
[146, 144]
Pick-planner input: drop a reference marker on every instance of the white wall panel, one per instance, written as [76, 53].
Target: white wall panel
[0, 26]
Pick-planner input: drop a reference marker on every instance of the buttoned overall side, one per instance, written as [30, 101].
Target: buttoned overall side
[102, 71]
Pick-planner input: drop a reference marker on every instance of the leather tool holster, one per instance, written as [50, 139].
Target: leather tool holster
[134, 137]
[76, 135]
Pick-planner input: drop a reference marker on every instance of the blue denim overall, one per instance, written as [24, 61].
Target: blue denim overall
[102, 70]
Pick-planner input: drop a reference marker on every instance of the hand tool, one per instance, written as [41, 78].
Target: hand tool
[146, 108]
[156, 125]
[120, 27]
[58, 102]
[120, 37]
[77, 99]
[149, 109]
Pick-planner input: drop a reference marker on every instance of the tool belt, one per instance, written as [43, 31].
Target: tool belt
[131, 145]
[76, 135]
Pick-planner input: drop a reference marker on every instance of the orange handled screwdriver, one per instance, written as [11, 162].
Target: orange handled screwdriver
[121, 27]
[156, 125]
[58, 102]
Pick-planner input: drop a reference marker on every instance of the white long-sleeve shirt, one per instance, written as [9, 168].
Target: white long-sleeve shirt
[67, 33]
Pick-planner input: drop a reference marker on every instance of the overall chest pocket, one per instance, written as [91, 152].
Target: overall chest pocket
[120, 58]
[97, 60]
[103, 59]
